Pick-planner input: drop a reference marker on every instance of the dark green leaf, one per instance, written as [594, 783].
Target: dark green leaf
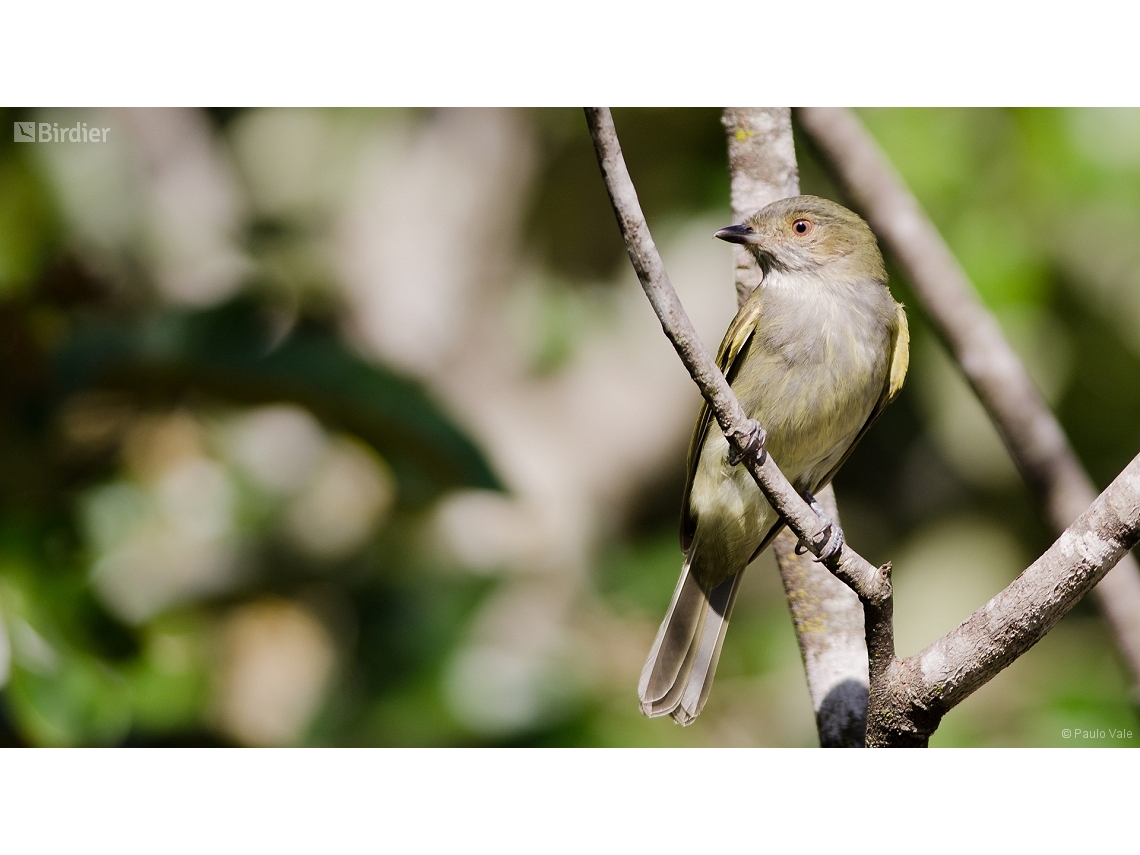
[229, 353]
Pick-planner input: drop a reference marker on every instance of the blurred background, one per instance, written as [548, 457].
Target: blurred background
[338, 427]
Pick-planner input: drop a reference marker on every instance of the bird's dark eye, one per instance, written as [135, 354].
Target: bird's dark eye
[802, 227]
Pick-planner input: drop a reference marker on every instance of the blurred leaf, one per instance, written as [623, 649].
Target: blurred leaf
[169, 683]
[997, 248]
[408, 626]
[80, 702]
[931, 148]
[56, 694]
[27, 227]
[229, 353]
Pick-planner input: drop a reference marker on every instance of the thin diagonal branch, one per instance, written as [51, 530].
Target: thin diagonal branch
[826, 614]
[1031, 433]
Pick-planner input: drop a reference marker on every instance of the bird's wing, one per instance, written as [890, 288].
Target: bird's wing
[732, 347]
[900, 359]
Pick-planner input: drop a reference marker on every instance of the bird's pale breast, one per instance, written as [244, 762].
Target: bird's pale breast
[816, 366]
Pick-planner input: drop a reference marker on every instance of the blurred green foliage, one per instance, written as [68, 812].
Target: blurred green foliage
[1042, 208]
[230, 353]
[78, 673]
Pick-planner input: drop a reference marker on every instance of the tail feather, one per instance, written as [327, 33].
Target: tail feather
[673, 648]
[697, 687]
[678, 673]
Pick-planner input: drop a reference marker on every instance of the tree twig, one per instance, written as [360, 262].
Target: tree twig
[826, 614]
[1031, 433]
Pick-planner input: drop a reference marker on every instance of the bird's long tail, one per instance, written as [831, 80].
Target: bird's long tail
[679, 671]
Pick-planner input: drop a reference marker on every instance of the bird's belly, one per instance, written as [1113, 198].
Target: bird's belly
[813, 405]
[810, 438]
[812, 410]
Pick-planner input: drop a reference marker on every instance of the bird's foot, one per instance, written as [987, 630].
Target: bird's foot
[835, 540]
[753, 443]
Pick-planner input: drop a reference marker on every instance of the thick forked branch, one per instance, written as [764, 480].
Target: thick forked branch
[871, 583]
[826, 614]
[1035, 439]
[928, 684]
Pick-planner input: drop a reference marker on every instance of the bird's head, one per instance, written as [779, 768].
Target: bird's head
[807, 234]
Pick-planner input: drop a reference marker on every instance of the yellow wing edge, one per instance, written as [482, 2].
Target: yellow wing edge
[900, 355]
[900, 361]
[731, 347]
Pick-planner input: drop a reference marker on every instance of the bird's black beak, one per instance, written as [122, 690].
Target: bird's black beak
[738, 234]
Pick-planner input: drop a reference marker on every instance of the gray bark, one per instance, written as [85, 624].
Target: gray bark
[828, 620]
[925, 686]
[827, 616]
[762, 168]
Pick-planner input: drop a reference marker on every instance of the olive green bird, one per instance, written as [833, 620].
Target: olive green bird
[814, 355]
